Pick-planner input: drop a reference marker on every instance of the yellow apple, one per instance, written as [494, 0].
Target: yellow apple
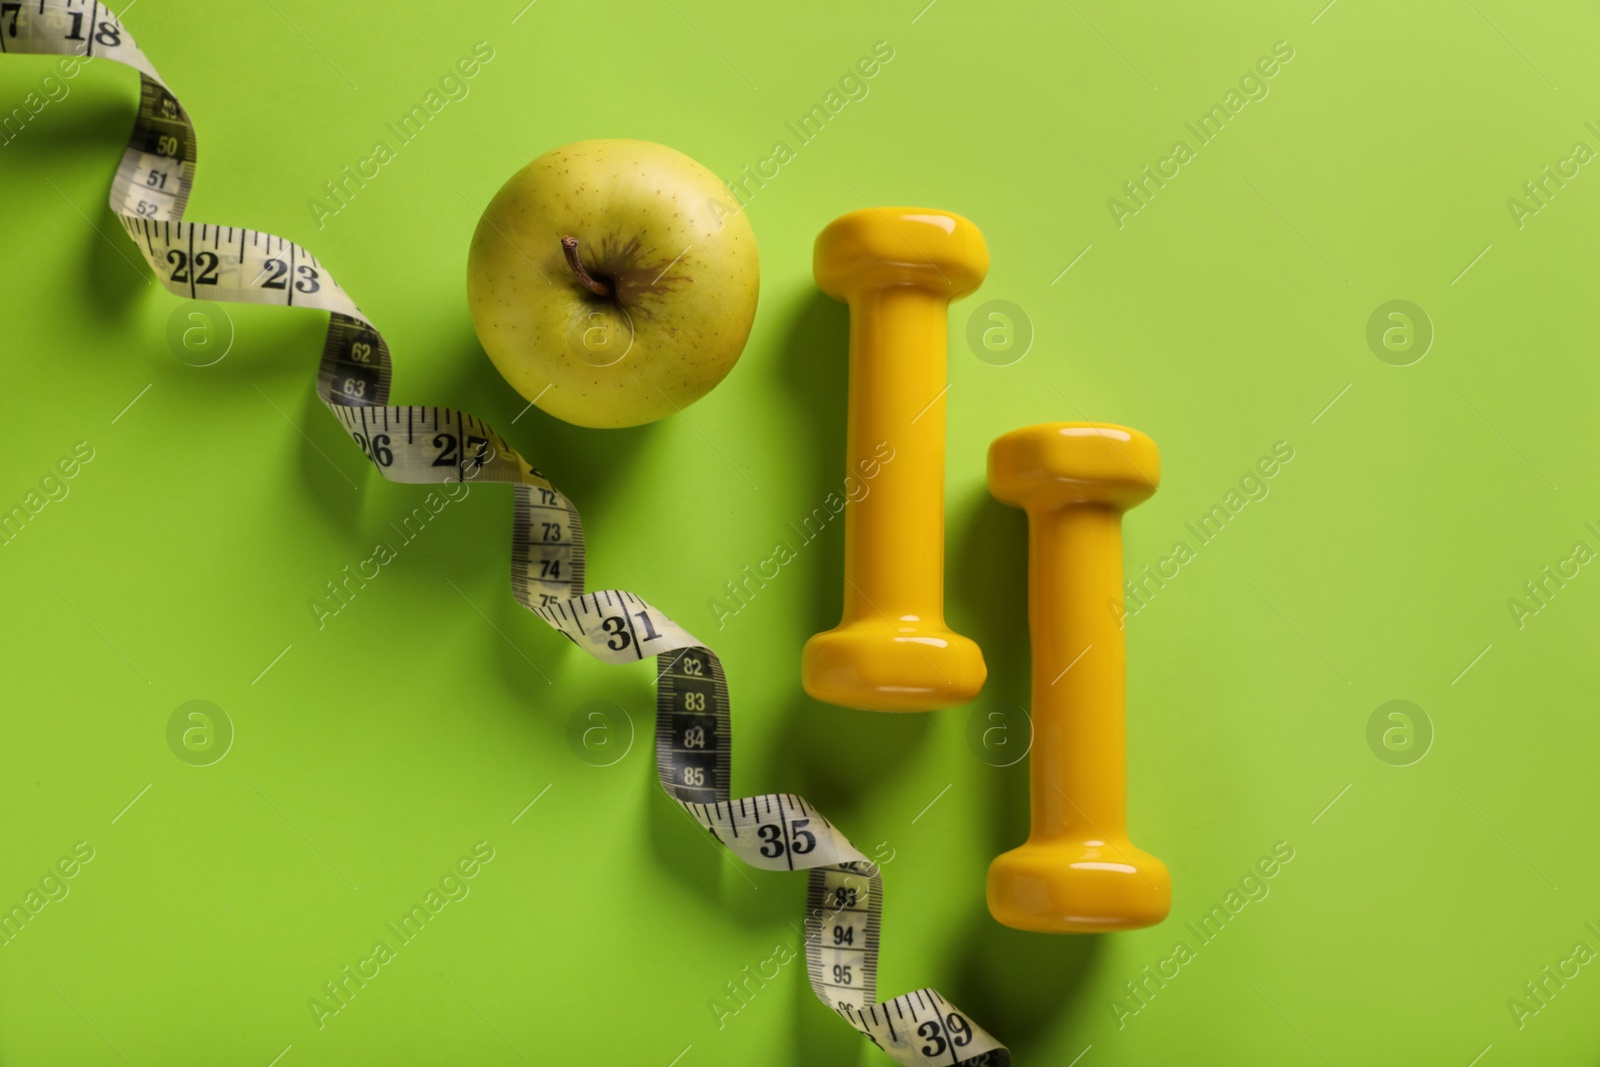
[613, 282]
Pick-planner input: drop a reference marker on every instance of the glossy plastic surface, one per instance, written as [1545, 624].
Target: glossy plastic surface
[1077, 872]
[898, 269]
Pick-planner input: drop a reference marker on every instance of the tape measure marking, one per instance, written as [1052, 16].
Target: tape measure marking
[424, 445]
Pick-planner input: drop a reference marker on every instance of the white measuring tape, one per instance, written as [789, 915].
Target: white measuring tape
[778, 831]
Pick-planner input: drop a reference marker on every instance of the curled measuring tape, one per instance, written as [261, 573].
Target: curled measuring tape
[409, 443]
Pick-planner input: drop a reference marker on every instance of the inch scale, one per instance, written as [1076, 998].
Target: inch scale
[417, 444]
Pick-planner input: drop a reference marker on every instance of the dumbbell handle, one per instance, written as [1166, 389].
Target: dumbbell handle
[1078, 763]
[897, 381]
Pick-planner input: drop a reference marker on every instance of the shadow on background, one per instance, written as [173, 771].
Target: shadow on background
[677, 843]
[815, 367]
[1020, 985]
[1017, 985]
[987, 557]
[76, 140]
[820, 1034]
[841, 757]
[328, 462]
[595, 461]
[118, 275]
[589, 466]
[815, 370]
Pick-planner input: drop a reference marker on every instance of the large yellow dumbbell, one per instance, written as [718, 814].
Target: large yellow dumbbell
[898, 268]
[1077, 872]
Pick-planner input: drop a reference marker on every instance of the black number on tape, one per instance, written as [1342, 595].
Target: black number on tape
[205, 266]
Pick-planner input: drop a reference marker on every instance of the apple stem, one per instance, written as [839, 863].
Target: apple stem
[569, 246]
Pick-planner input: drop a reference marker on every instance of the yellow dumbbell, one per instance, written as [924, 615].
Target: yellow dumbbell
[1077, 872]
[898, 268]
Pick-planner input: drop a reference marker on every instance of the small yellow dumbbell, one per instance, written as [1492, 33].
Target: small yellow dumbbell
[898, 268]
[1077, 872]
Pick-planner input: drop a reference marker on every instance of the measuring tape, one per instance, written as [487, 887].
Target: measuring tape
[409, 443]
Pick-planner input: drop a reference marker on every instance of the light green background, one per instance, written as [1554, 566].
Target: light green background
[1222, 319]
